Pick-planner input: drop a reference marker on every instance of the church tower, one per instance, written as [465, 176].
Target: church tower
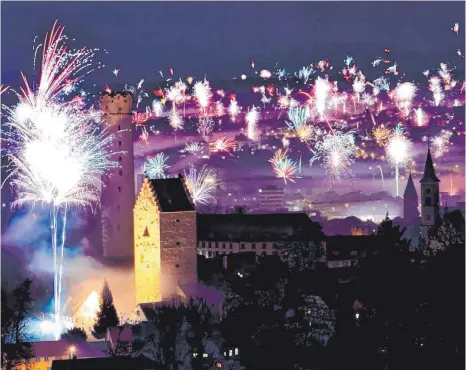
[117, 198]
[410, 203]
[430, 197]
[165, 239]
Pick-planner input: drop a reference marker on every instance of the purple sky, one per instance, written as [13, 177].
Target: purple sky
[221, 38]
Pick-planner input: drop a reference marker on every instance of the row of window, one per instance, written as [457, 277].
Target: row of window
[220, 253]
[230, 245]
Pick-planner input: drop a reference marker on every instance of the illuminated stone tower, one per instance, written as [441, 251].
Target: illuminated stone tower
[117, 198]
[165, 239]
[430, 197]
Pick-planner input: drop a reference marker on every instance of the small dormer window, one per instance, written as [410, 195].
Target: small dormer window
[177, 220]
[177, 243]
[177, 266]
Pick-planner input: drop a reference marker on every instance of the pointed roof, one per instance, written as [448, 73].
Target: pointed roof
[171, 194]
[429, 171]
[410, 191]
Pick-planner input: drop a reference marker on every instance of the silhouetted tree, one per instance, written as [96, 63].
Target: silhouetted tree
[16, 349]
[107, 316]
[74, 335]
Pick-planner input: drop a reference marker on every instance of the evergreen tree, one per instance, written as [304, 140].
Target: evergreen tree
[74, 335]
[107, 316]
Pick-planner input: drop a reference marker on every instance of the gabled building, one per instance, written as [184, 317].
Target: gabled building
[164, 239]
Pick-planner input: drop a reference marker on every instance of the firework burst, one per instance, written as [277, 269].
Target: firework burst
[283, 167]
[201, 184]
[233, 109]
[299, 118]
[57, 152]
[194, 147]
[322, 88]
[441, 143]
[381, 135]
[398, 151]
[252, 117]
[175, 120]
[203, 94]
[154, 168]
[224, 144]
[403, 96]
[336, 154]
[205, 126]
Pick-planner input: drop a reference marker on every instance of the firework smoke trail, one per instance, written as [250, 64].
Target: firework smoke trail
[283, 167]
[321, 90]
[252, 117]
[194, 147]
[224, 144]
[398, 151]
[299, 118]
[403, 96]
[202, 92]
[336, 154]
[381, 176]
[436, 88]
[201, 184]
[154, 168]
[56, 151]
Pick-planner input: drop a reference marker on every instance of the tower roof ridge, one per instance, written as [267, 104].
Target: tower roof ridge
[429, 171]
[410, 190]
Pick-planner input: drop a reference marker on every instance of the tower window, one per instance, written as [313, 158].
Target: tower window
[243, 246]
[119, 127]
[231, 245]
[264, 245]
[216, 244]
[428, 217]
[253, 245]
[118, 227]
[177, 243]
[428, 201]
[119, 143]
[118, 207]
[119, 158]
[177, 220]
[177, 266]
[427, 191]
[119, 189]
[121, 172]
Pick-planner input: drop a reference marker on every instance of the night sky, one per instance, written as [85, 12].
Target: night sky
[221, 38]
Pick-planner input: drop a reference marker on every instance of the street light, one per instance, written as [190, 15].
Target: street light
[72, 351]
[357, 316]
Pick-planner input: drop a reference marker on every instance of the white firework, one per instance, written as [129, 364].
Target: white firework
[252, 117]
[202, 93]
[194, 147]
[205, 126]
[201, 184]
[398, 151]
[154, 168]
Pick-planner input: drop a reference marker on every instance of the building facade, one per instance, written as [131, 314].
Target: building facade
[117, 199]
[271, 198]
[164, 239]
[264, 234]
[430, 197]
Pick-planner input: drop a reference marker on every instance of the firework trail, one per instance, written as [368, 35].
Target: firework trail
[358, 87]
[381, 176]
[233, 109]
[194, 147]
[252, 117]
[157, 108]
[322, 89]
[299, 118]
[336, 154]
[219, 109]
[419, 116]
[202, 93]
[154, 168]
[3, 88]
[175, 120]
[283, 167]
[201, 184]
[403, 96]
[57, 151]
[398, 151]
[436, 88]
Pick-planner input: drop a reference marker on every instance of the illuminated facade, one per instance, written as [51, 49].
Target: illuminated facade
[117, 198]
[165, 239]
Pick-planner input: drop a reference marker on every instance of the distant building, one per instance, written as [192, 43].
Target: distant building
[264, 234]
[347, 250]
[271, 198]
[107, 363]
[411, 213]
[164, 239]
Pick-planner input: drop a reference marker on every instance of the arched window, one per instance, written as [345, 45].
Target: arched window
[428, 201]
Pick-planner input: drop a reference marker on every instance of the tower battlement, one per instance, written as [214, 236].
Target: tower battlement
[116, 102]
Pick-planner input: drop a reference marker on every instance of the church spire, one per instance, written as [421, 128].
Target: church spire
[410, 191]
[429, 171]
